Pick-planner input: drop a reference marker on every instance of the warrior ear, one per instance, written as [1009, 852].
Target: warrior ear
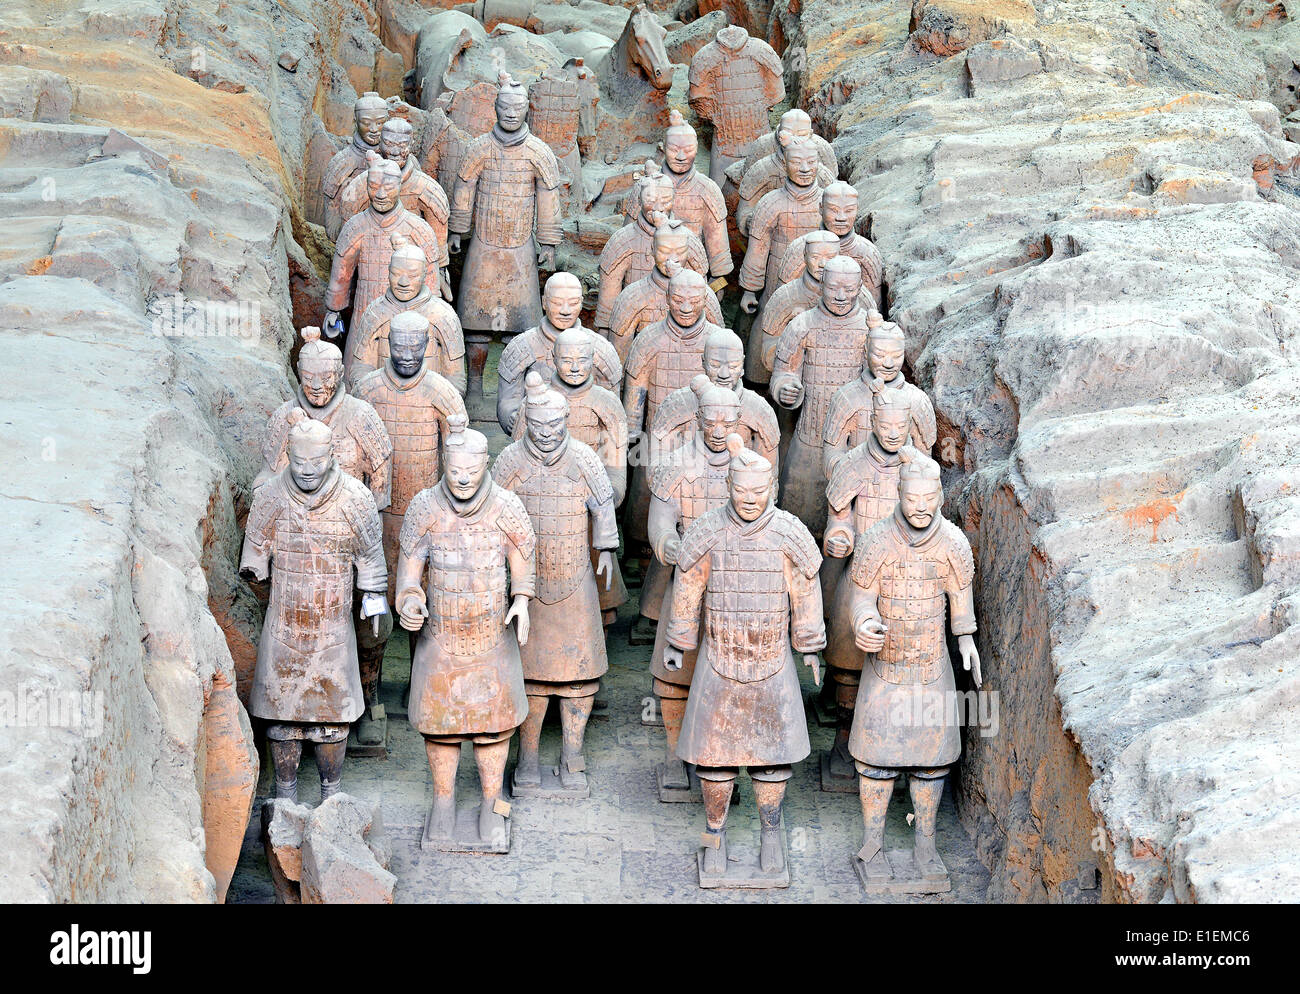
[735, 444]
[310, 334]
[699, 384]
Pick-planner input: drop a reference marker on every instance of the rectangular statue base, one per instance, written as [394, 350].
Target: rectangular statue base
[466, 838]
[678, 795]
[356, 749]
[905, 876]
[823, 714]
[550, 787]
[743, 871]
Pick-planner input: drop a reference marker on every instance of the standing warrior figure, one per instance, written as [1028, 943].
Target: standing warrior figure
[535, 349]
[799, 124]
[848, 420]
[363, 451]
[508, 191]
[365, 247]
[309, 527]
[555, 105]
[734, 81]
[753, 570]
[596, 419]
[788, 302]
[697, 200]
[562, 485]
[367, 348]
[644, 302]
[370, 112]
[687, 483]
[818, 353]
[863, 491]
[420, 193]
[905, 568]
[467, 683]
[629, 254]
[783, 215]
[769, 173]
[839, 215]
[724, 364]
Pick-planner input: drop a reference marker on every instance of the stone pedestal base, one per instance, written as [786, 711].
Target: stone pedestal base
[550, 787]
[905, 876]
[466, 838]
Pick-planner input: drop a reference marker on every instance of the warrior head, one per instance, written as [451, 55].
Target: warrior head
[680, 144]
[800, 157]
[395, 140]
[794, 122]
[687, 292]
[885, 348]
[656, 191]
[920, 491]
[891, 416]
[562, 300]
[575, 356]
[406, 268]
[383, 183]
[841, 284]
[669, 242]
[717, 413]
[320, 368]
[511, 103]
[408, 340]
[819, 248]
[311, 456]
[370, 112]
[749, 480]
[724, 359]
[839, 207]
[546, 413]
[465, 458]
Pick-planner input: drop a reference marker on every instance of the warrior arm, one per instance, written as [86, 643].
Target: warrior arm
[960, 584]
[462, 198]
[807, 626]
[635, 394]
[753, 270]
[372, 571]
[344, 267]
[717, 243]
[451, 343]
[688, 595]
[923, 423]
[839, 523]
[612, 272]
[612, 450]
[549, 231]
[787, 368]
[410, 564]
[863, 601]
[255, 558]
[521, 546]
[523, 573]
[665, 516]
[604, 524]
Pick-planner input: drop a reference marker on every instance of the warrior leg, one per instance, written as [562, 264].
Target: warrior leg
[769, 792]
[716, 785]
[286, 754]
[528, 768]
[574, 713]
[875, 788]
[491, 760]
[329, 763]
[444, 758]
[476, 354]
[926, 787]
[672, 705]
[845, 687]
[372, 728]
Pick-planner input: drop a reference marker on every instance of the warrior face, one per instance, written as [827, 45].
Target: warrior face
[751, 492]
[919, 499]
[890, 426]
[679, 153]
[815, 257]
[310, 460]
[686, 303]
[547, 427]
[464, 471]
[724, 365]
[405, 277]
[801, 164]
[656, 196]
[370, 124]
[512, 110]
[671, 245]
[406, 349]
[320, 380]
[573, 361]
[384, 188]
[396, 148]
[840, 290]
[884, 358]
[715, 424]
[562, 303]
[839, 211]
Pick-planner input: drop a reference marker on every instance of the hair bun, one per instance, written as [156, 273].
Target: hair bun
[700, 384]
[311, 334]
[295, 416]
[735, 444]
[675, 118]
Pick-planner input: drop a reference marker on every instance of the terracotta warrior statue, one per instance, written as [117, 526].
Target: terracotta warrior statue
[314, 530]
[556, 102]
[862, 492]
[752, 570]
[363, 451]
[466, 570]
[819, 351]
[791, 210]
[568, 497]
[365, 247]
[839, 215]
[644, 302]
[535, 349]
[367, 347]
[420, 193]
[508, 191]
[902, 572]
[848, 420]
[596, 419]
[734, 81]
[370, 112]
[687, 483]
[724, 364]
[767, 174]
[787, 302]
[629, 255]
[799, 124]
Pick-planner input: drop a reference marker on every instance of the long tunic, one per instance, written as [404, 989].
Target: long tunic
[779, 218]
[310, 544]
[364, 249]
[420, 193]
[757, 584]
[466, 674]
[903, 715]
[346, 163]
[560, 491]
[368, 341]
[535, 349]
[761, 179]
